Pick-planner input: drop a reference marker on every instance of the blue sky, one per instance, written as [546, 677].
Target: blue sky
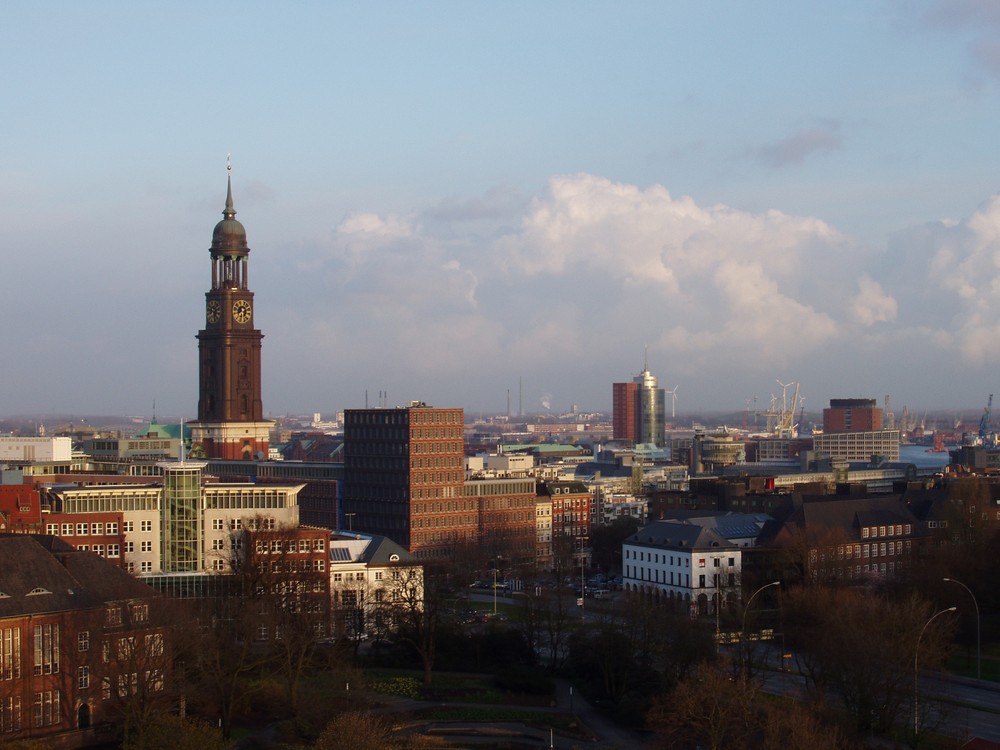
[444, 198]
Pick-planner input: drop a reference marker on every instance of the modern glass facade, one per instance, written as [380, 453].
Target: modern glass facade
[181, 517]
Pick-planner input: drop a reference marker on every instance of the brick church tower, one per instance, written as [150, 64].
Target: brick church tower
[231, 422]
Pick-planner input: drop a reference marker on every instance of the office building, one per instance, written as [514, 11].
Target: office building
[639, 410]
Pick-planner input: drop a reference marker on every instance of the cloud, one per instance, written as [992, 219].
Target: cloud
[979, 18]
[871, 304]
[568, 287]
[802, 144]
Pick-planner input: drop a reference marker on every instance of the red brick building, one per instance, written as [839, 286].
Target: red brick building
[20, 509]
[404, 477]
[852, 415]
[73, 630]
[624, 411]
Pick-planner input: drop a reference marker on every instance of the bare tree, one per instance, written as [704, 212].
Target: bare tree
[860, 648]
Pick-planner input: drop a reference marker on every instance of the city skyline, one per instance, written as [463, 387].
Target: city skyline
[473, 206]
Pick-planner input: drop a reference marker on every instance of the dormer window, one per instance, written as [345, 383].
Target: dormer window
[38, 590]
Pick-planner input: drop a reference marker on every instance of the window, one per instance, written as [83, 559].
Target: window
[47, 649]
[97, 529]
[218, 565]
[218, 524]
[319, 545]
[10, 654]
[99, 549]
[701, 581]
[378, 575]
[147, 546]
[218, 544]
[129, 548]
[10, 714]
[864, 532]
[140, 613]
[112, 529]
[83, 677]
[46, 711]
[52, 529]
[81, 529]
[128, 527]
[732, 562]
[83, 640]
[114, 616]
[716, 562]
[67, 529]
[146, 526]
[146, 566]
[114, 550]
[701, 563]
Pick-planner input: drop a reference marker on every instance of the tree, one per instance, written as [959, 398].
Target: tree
[860, 648]
[134, 672]
[606, 542]
[418, 596]
[707, 709]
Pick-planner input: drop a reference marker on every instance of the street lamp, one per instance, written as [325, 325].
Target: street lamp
[979, 653]
[746, 609]
[495, 568]
[916, 687]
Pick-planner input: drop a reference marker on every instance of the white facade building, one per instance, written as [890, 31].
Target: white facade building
[36, 449]
[684, 563]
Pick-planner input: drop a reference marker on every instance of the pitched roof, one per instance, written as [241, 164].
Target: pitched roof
[681, 535]
[42, 574]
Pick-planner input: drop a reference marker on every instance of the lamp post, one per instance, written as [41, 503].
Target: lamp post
[979, 653]
[746, 609]
[916, 686]
[583, 582]
[496, 566]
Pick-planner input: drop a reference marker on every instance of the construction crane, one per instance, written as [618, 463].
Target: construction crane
[984, 422]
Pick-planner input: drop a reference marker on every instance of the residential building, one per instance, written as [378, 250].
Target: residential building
[572, 508]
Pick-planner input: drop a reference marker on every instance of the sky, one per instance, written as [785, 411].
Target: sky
[474, 204]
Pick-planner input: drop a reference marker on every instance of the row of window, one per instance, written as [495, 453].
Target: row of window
[654, 557]
[890, 530]
[82, 529]
[277, 546]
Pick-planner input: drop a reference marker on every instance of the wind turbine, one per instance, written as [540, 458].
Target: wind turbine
[673, 402]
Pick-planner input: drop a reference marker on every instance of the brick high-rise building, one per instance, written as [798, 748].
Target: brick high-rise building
[624, 397]
[852, 415]
[404, 476]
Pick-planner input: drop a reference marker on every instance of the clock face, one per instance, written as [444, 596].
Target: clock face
[213, 311]
[242, 311]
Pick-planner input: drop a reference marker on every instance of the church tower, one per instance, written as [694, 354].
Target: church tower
[230, 422]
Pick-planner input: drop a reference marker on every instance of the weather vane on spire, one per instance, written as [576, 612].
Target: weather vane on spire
[229, 163]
